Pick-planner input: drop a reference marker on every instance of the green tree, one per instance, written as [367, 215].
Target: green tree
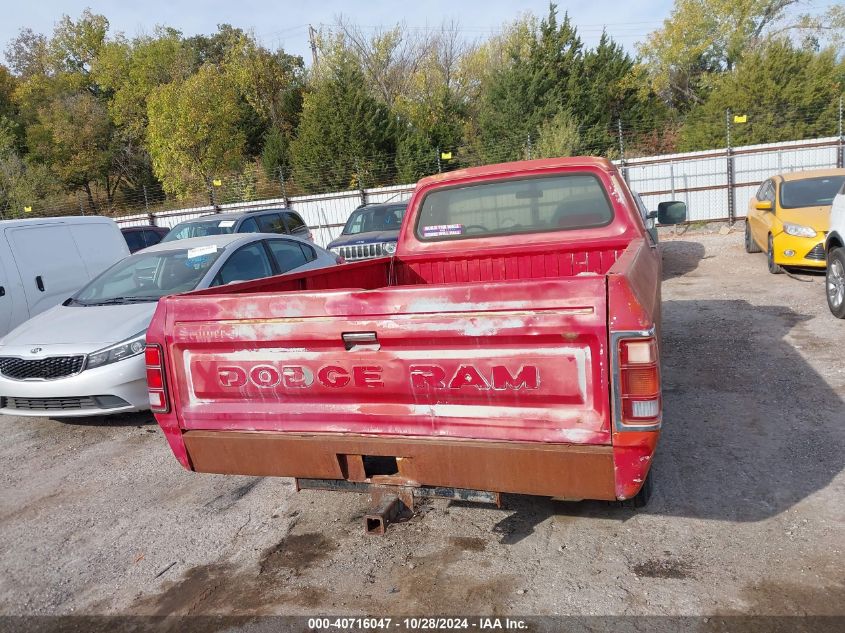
[530, 87]
[434, 107]
[27, 54]
[702, 38]
[76, 43]
[437, 128]
[130, 70]
[272, 83]
[559, 136]
[8, 108]
[72, 136]
[22, 183]
[786, 93]
[275, 155]
[344, 133]
[612, 92]
[193, 134]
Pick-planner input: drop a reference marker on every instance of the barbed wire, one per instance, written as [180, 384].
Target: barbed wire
[252, 183]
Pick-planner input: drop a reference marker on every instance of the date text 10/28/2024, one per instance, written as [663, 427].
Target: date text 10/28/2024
[416, 624]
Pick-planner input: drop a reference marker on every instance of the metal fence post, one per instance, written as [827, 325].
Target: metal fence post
[284, 187]
[361, 191]
[840, 156]
[731, 179]
[672, 177]
[151, 218]
[622, 150]
[439, 165]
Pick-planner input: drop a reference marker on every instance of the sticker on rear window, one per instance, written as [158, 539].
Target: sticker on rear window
[225, 224]
[201, 250]
[443, 229]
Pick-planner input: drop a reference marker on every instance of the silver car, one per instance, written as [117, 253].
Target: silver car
[85, 356]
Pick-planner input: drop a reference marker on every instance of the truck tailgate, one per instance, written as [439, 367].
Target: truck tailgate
[521, 361]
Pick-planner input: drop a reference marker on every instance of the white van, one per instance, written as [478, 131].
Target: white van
[45, 260]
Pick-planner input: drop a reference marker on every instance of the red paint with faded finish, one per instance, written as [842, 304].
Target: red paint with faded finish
[485, 339]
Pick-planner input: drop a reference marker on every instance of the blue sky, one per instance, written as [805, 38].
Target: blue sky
[284, 24]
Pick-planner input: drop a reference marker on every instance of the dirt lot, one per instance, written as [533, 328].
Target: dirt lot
[748, 516]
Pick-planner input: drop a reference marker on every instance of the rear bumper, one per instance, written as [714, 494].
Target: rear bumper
[554, 470]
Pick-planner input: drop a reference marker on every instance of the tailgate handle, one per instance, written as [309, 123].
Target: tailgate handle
[360, 341]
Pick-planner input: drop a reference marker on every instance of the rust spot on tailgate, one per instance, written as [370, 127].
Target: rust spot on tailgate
[555, 470]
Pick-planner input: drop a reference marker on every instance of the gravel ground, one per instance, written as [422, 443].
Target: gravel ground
[97, 517]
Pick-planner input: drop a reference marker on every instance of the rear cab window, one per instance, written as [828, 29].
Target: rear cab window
[536, 204]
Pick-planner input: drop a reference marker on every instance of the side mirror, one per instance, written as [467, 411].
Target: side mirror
[763, 205]
[673, 212]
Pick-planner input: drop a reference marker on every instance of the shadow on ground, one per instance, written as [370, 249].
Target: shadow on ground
[140, 418]
[750, 429]
[680, 257]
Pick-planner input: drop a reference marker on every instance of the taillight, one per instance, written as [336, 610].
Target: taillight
[156, 384]
[637, 381]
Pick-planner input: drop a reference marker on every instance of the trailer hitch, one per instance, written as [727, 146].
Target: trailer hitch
[395, 503]
[388, 504]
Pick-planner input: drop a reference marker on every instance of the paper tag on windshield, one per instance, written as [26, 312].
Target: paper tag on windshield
[443, 229]
[200, 251]
[225, 224]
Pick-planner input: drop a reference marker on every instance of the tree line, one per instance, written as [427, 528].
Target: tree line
[103, 121]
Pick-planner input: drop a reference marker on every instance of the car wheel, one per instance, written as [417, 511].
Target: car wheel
[835, 282]
[640, 499]
[750, 244]
[770, 259]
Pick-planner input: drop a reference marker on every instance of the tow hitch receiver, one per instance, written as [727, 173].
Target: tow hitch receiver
[387, 505]
[395, 503]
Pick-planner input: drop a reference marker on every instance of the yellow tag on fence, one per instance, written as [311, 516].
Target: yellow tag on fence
[27, 209]
[741, 118]
[217, 182]
[446, 155]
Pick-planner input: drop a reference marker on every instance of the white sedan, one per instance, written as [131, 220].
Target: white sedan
[85, 356]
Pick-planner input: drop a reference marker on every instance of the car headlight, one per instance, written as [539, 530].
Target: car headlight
[390, 247]
[132, 346]
[798, 230]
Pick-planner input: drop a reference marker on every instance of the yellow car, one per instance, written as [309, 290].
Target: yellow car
[789, 217]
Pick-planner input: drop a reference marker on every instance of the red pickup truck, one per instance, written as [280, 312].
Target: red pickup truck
[509, 346]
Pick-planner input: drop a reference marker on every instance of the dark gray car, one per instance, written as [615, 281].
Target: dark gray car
[284, 221]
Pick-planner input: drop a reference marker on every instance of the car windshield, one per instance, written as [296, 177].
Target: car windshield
[148, 276]
[531, 205]
[200, 228]
[810, 192]
[375, 219]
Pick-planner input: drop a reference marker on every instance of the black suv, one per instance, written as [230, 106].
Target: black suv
[283, 221]
[138, 237]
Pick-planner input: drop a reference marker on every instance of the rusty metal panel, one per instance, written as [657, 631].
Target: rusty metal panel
[554, 470]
